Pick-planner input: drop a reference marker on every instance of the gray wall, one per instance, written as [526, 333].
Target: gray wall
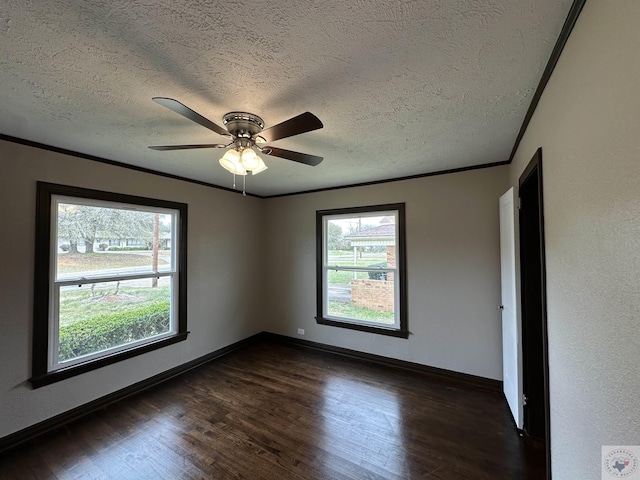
[588, 125]
[453, 274]
[221, 268]
[453, 269]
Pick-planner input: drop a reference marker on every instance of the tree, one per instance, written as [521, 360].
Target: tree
[91, 220]
[335, 237]
[90, 223]
[156, 247]
[355, 228]
[67, 225]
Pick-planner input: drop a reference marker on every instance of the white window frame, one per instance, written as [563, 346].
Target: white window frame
[56, 282]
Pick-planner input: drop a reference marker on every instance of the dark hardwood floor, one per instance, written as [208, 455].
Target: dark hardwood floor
[273, 411]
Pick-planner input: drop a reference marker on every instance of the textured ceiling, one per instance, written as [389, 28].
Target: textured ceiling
[402, 87]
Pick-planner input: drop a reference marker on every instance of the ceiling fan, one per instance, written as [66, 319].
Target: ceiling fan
[246, 131]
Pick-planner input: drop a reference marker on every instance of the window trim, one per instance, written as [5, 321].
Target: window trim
[41, 375]
[402, 330]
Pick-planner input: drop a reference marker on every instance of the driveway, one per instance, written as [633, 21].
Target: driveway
[340, 293]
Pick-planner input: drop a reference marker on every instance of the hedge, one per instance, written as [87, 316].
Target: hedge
[378, 275]
[111, 330]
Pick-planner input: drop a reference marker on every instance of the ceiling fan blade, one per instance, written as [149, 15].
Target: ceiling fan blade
[295, 156]
[185, 111]
[305, 122]
[186, 147]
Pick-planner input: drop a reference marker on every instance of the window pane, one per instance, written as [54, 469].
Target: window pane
[362, 296]
[360, 241]
[108, 241]
[98, 316]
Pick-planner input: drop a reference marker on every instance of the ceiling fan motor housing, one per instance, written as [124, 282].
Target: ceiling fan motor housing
[243, 124]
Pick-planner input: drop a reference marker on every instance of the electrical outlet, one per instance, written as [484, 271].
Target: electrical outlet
[301, 331]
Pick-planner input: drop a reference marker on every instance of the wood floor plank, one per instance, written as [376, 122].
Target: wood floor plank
[273, 411]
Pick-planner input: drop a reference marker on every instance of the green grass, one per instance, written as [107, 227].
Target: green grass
[345, 259]
[342, 277]
[81, 262]
[342, 258]
[347, 310]
[80, 304]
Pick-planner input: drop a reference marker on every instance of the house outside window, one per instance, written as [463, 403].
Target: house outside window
[93, 306]
[135, 242]
[361, 269]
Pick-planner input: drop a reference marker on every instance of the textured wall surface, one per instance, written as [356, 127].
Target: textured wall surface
[221, 268]
[403, 87]
[587, 124]
[453, 269]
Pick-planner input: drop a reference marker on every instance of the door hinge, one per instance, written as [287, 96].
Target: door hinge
[519, 203]
[524, 399]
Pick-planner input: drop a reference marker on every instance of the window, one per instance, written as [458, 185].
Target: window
[98, 300]
[361, 269]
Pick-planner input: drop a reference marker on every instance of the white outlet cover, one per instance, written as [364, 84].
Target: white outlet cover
[301, 331]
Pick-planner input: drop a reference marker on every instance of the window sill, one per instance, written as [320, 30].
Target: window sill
[48, 378]
[364, 328]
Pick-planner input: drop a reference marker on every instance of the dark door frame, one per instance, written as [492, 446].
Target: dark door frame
[533, 172]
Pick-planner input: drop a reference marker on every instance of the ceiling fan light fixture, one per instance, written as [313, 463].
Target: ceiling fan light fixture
[231, 162]
[249, 159]
[260, 168]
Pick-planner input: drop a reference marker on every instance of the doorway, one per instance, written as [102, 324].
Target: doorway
[535, 362]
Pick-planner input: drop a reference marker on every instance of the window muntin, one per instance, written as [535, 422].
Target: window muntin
[361, 268]
[104, 305]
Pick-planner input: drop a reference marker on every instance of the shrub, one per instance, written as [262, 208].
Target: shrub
[102, 247]
[128, 249]
[111, 330]
[64, 248]
[378, 275]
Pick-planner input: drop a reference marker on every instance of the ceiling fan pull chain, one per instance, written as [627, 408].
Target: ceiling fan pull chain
[234, 181]
[244, 184]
